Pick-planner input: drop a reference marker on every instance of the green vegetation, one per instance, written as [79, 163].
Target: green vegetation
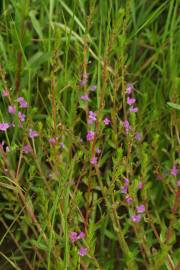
[89, 134]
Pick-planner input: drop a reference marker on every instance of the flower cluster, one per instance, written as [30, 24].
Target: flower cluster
[91, 118]
[174, 171]
[124, 190]
[74, 236]
[140, 210]
[130, 100]
[13, 109]
[126, 126]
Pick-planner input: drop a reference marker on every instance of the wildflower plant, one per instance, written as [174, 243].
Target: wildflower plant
[89, 146]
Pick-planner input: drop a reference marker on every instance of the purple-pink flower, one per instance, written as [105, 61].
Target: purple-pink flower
[27, 149]
[21, 116]
[93, 160]
[91, 117]
[52, 141]
[140, 208]
[62, 145]
[133, 109]
[174, 171]
[138, 136]
[84, 81]
[93, 87]
[124, 189]
[82, 251]
[131, 101]
[4, 126]
[126, 125]
[129, 89]
[33, 133]
[11, 109]
[128, 199]
[22, 102]
[85, 97]
[81, 235]
[5, 93]
[140, 185]
[107, 121]
[90, 135]
[73, 236]
[178, 183]
[136, 218]
[98, 151]
[126, 181]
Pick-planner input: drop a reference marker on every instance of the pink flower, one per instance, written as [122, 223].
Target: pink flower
[85, 76]
[85, 97]
[62, 144]
[27, 148]
[133, 109]
[94, 160]
[5, 93]
[124, 189]
[128, 199]
[73, 236]
[136, 218]
[33, 133]
[140, 185]
[126, 125]
[23, 103]
[81, 235]
[178, 183]
[52, 141]
[11, 109]
[138, 136]
[4, 126]
[21, 116]
[82, 252]
[174, 171]
[93, 87]
[129, 89]
[84, 81]
[126, 181]
[131, 101]
[107, 121]
[90, 135]
[98, 151]
[140, 208]
[92, 117]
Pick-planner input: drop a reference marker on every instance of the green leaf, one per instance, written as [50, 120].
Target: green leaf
[37, 59]
[35, 23]
[174, 105]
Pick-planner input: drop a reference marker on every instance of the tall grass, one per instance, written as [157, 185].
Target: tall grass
[119, 188]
